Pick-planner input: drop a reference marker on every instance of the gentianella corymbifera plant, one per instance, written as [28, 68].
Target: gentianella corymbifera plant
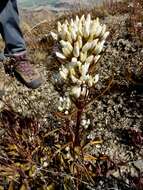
[79, 45]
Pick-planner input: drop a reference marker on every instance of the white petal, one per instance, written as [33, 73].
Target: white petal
[83, 56]
[75, 27]
[76, 90]
[66, 22]
[61, 99]
[88, 19]
[59, 27]
[75, 80]
[66, 51]
[54, 36]
[72, 22]
[69, 37]
[73, 77]
[80, 28]
[86, 47]
[106, 34]
[85, 68]
[98, 31]
[79, 65]
[103, 30]
[69, 46]
[79, 39]
[90, 81]
[64, 73]
[64, 31]
[90, 59]
[74, 60]
[94, 43]
[77, 19]
[73, 35]
[60, 55]
[94, 26]
[96, 58]
[86, 30]
[63, 43]
[60, 108]
[99, 47]
[96, 78]
[65, 28]
[83, 122]
[76, 49]
[82, 19]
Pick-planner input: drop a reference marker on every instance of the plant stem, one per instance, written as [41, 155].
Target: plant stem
[77, 127]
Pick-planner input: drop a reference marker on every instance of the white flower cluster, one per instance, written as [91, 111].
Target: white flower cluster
[64, 104]
[81, 42]
[84, 121]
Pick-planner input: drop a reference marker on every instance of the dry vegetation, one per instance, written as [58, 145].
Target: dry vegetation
[35, 141]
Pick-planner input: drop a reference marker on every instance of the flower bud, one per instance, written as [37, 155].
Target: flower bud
[64, 72]
[69, 37]
[79, 40]
[59, 27]
[94, 43]
[97, 50]
[103, 30]
[86, 30]
[87, 47]
[96, 58]
[96, 78]
[106, 34]
[60, 55]
[80, 28]
[82, 19]
[74, 60]
[73, 35]
[90, 59]
[66, 51]
[77, 20]
[54, 36]
[90, 81]
[85, 68]
[76, 49]
[83, 56]
[75, 92]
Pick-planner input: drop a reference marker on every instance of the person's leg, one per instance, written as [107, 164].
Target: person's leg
[2, 71]
[11, 33]
[15, 44]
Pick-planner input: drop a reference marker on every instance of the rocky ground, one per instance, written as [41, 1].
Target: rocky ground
[116, 117]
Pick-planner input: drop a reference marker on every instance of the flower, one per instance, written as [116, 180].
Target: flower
[80, 42]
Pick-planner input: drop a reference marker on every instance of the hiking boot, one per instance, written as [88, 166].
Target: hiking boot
[2, 79]
[26, 72]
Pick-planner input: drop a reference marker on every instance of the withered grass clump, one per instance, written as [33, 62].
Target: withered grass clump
[32, 158]
[136, 20]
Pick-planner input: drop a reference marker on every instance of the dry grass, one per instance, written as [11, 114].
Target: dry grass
[136, 20]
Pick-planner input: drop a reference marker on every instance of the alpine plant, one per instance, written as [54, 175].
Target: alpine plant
[80, 43]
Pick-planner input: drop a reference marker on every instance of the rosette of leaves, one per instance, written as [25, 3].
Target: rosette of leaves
[80, 43]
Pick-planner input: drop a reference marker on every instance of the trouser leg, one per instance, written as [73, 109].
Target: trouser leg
[9, 27]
